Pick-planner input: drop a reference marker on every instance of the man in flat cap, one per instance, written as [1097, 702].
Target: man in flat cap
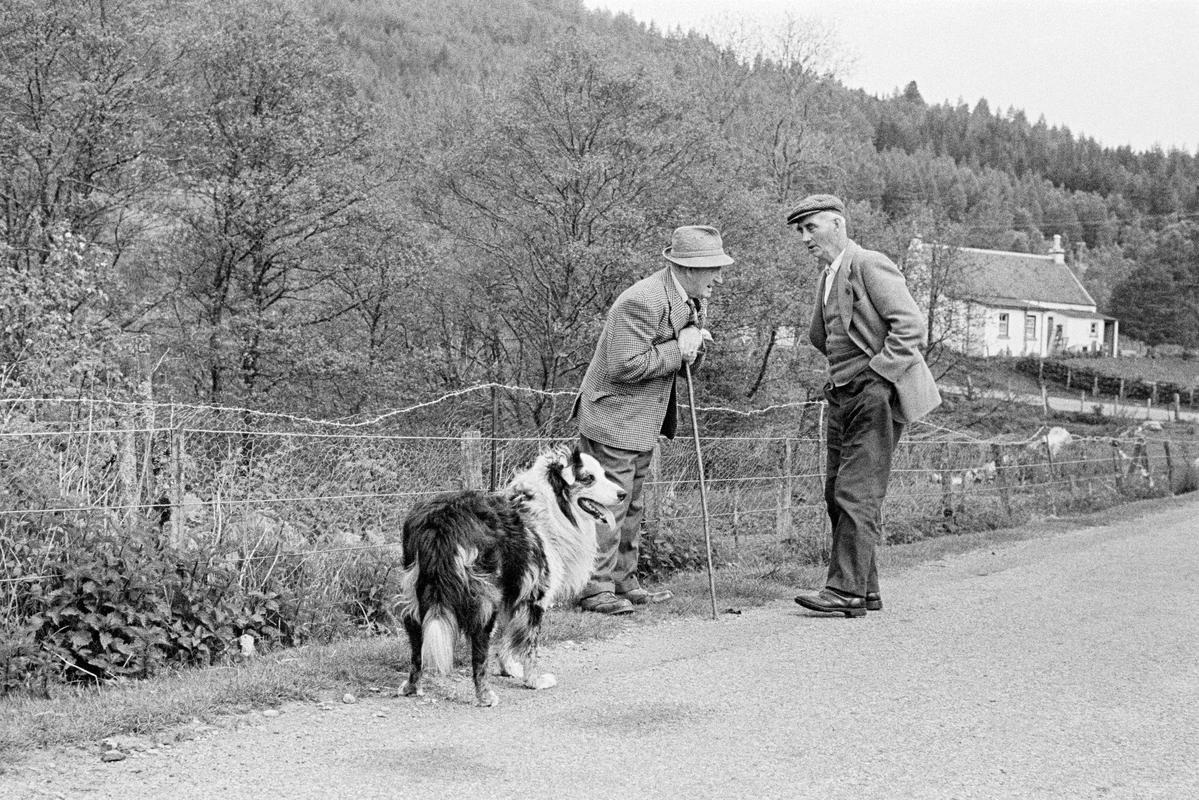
[627, 399]
[872, 332]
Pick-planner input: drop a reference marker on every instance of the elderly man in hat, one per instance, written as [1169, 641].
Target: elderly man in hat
[627, 399]
[871, 330]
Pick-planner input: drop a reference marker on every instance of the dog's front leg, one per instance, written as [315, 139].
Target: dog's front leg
[527, 646]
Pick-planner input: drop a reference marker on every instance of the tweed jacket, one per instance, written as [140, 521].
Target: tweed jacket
[628, 394]
[882, 318]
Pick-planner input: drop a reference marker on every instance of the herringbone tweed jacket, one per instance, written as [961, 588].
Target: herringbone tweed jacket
[881, 317]
[628, 394]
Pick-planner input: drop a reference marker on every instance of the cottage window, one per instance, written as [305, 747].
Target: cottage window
[1030, 327]
[1003, 326]
[1094, 330]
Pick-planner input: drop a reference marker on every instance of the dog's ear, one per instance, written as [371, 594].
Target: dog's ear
[560, 477]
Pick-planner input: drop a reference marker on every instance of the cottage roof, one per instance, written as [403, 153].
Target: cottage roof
[1000, 277]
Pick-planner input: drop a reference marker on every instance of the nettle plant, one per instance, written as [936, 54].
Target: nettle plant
[124, 606]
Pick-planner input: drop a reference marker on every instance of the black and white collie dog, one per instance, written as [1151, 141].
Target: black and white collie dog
[478, 561]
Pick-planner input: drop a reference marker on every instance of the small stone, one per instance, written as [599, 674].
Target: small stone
[112, 755]
[349, 699]
[271, 712]
[379, 715]
[246, 643]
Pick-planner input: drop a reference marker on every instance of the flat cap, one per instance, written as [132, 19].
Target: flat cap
[814, 204]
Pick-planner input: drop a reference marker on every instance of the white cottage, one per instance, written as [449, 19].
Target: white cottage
[999, 303]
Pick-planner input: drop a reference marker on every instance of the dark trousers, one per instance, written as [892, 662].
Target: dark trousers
[862, 434]
[618, 550]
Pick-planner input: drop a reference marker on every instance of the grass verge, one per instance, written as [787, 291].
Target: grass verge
[167, 707]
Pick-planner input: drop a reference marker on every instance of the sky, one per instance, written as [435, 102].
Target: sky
[1123, 73]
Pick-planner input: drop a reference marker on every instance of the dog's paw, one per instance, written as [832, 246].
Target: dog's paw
[487, 700]
[407, 690]
[546, 680]
[512, 669]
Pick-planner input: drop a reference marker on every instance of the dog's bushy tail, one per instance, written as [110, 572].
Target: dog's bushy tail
[440, 634]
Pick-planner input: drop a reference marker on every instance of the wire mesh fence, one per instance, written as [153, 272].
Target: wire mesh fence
[289, 528]
[205, 475]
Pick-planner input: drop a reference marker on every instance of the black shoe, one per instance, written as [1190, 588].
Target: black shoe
[829, 602]
[873, 601]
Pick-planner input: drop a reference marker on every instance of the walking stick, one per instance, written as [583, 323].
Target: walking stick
[703, 490]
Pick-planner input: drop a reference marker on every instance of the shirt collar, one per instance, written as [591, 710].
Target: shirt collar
[836, 265]
[679, 286]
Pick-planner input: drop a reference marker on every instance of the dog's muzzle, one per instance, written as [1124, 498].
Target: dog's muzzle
[598, 511]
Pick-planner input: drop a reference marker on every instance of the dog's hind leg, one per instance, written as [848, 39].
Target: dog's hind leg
[415, 640]
[525, 638]
[480, 647]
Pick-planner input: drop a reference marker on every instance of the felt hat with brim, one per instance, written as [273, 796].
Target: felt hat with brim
[697, 246]
[814, 204]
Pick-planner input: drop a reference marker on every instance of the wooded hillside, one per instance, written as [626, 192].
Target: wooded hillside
[335, 207]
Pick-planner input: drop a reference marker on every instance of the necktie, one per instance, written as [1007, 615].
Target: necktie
[828, 282]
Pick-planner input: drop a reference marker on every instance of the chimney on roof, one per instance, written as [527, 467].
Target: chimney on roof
[1057, 251]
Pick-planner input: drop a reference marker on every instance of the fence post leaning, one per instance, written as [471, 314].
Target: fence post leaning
[1001, 476]
[1116, 465]
[1169, 466]
[1049, 473]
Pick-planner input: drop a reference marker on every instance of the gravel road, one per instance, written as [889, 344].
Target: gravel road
[1058, 667]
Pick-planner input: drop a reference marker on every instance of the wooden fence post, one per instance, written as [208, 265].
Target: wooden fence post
[1050, 488]
[1140, 457]
[130, 494]
[782, 518]
[1044, 400]
[946, 483]
[177, 485]
[1069, 377]
[472, 459]
[1095, 386]
[737, 518]
[1169, 466]
[1177, 407]
[1116, 465]
[1001, 476]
